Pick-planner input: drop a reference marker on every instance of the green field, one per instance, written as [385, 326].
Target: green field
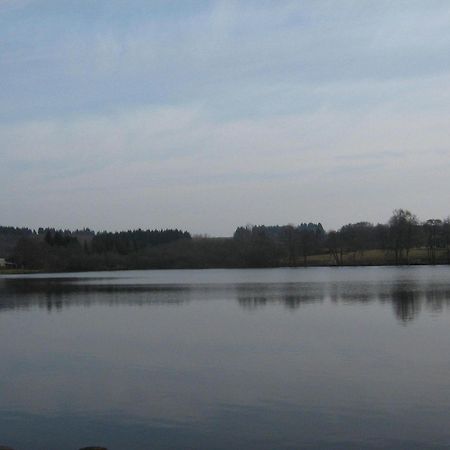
[378, 258]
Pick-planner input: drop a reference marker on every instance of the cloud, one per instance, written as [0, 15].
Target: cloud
[223, 112]
[163, 153]
[227, 55]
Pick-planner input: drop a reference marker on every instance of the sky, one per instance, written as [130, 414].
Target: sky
[207, 115]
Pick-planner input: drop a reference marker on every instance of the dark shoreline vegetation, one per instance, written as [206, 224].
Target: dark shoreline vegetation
[403, 240]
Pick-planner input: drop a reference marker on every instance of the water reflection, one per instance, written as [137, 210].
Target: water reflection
[291, 295]
[408, 298]
[406, 303]
[55, 294]
[256, 360]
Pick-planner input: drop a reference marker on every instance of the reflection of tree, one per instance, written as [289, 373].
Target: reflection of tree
[406, 303]
[437, 297]
[61, 293]
[352, 292]
[289, 301]
[295, 301]
[406, 297]
[54, 302]
[250, 303]
[291, 295]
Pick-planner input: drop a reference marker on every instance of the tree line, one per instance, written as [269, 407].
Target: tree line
[404, 239]
[66, 250]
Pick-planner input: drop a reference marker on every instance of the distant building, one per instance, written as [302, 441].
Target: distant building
[4, 263]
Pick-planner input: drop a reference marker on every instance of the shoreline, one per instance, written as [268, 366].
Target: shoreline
[309, 266]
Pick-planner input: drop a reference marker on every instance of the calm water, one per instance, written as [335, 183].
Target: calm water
[227, 359]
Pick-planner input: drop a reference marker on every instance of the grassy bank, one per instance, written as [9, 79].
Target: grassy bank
[18, 271]
[417, 256]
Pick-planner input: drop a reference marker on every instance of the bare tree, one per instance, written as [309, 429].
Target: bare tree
[403, 228]
[335, 247]
[433, 230]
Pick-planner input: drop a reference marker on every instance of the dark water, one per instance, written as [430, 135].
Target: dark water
[227, 359]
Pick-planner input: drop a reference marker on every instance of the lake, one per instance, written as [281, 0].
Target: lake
[317, 358]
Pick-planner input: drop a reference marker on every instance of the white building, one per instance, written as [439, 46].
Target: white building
[4, 263]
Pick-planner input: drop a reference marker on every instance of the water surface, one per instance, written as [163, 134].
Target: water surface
[323, 358]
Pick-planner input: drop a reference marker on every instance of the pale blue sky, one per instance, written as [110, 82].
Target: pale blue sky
[207, 115]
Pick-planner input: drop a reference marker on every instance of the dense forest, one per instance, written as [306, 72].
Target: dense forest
[403, 240]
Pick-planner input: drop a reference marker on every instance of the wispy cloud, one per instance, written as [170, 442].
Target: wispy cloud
[266, 111]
